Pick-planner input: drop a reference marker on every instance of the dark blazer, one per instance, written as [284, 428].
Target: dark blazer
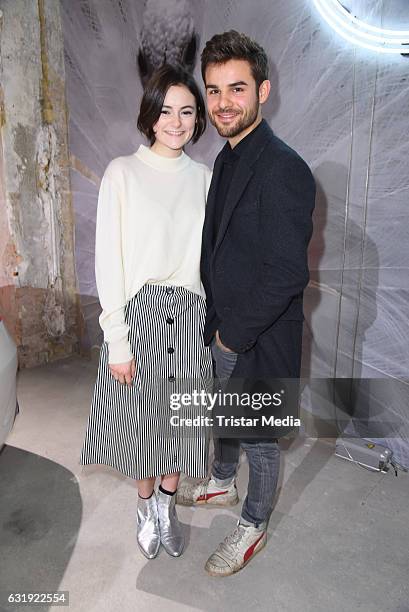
[255, 275]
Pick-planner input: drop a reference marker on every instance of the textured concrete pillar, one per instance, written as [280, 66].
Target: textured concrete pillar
[38, 296]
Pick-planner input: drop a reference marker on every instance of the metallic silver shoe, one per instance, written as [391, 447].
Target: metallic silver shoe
[148, 534]
[171, 534]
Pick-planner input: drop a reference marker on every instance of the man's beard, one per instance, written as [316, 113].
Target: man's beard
[245, 121]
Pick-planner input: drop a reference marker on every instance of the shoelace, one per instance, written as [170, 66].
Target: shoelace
[204, 486]
[227, 546]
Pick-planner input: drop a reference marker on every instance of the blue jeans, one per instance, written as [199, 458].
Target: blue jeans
[263, 457]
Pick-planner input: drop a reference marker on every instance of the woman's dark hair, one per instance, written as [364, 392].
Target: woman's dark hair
[232, 45]
[154, 97]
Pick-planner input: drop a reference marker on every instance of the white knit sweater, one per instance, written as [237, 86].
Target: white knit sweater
[149, 225]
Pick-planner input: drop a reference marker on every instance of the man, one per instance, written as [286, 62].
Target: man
[254, 269]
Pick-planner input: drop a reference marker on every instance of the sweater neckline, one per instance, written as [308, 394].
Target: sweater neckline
[159, 162]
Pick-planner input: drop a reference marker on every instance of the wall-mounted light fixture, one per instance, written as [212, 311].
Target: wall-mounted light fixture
[360, 33]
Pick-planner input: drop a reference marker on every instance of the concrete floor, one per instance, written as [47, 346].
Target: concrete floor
[338, 537]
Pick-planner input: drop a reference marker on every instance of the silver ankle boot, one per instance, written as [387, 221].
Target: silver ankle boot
[171, 534]
[148, 534]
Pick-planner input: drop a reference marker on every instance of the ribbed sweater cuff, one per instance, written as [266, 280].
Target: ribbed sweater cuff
[119, 351]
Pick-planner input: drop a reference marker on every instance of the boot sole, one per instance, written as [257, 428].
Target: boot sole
[234, 571]
[172, 554]
[145, 554]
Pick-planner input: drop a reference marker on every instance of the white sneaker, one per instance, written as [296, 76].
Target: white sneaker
[236, 550]
[207, 492]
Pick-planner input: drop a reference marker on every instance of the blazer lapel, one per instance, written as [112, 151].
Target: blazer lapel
[242, 175]
[211, 201]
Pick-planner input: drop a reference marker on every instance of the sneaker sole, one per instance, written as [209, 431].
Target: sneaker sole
[234, 571]
[219, 504]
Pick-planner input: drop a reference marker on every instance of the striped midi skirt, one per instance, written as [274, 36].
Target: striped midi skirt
[130, 428]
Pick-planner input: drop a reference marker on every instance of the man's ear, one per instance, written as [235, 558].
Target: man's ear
[264, 91]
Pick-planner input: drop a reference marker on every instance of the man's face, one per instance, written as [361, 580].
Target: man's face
[232, 98]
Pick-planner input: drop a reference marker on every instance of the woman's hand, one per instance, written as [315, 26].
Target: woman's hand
[123, 372]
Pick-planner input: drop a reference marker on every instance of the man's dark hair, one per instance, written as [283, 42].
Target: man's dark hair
[154, 97]
[233, 45]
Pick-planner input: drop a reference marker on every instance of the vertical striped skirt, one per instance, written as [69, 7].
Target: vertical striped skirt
[130, 428]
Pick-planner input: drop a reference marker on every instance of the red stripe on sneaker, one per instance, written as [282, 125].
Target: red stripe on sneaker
[250, 550]
[209, 495]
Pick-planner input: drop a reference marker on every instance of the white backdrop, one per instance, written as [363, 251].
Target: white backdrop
[343, 109]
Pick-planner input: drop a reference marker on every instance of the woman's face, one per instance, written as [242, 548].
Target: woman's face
[176, 123]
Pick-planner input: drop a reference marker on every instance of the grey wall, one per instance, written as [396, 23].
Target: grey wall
[38, 293]
[343, 109]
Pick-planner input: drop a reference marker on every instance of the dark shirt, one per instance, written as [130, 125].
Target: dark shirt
[230, 158]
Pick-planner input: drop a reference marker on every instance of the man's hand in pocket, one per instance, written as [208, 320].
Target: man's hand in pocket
[221, 345]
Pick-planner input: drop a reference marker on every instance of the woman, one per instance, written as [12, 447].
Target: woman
[148, 237]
